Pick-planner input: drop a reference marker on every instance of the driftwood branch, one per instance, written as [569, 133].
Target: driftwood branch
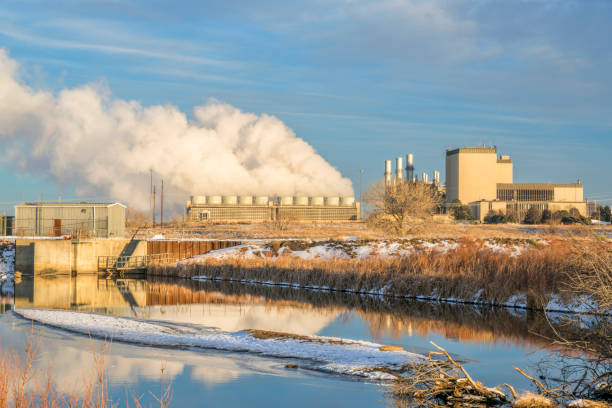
[441, 382]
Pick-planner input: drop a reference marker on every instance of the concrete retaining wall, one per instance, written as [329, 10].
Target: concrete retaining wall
[39, 257]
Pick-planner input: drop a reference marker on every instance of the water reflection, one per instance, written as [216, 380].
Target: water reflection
[493, 340]
[86, 293]
[232, 307]
[71, 359]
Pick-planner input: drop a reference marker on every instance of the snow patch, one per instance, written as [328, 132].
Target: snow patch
[334, 355]
[348, 249]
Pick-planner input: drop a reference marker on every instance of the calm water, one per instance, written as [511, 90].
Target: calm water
[490, 341]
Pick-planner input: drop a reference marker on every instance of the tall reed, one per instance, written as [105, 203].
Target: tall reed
[23, 386]
[471, 272]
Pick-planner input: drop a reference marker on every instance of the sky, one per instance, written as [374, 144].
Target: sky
[361, 81]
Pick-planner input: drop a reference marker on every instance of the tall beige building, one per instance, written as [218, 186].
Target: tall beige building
[472, 173]
[477, 176]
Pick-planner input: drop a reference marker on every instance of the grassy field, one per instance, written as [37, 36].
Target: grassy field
[362, 230]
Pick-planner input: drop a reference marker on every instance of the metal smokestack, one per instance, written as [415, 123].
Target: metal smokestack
[425, 178]
[399, 171]
[388, 172]
[437, 177]
[410, 167]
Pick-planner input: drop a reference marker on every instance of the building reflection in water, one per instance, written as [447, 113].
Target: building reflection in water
[232, 307]
[86, 293]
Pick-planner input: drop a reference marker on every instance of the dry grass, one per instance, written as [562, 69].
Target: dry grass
[386, 347]
[360, 229]
[530, 400]
[23, 386]
[471, 270]
[267, 334]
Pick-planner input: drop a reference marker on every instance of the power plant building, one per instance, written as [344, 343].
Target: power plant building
[76, 219]
[264, 208]
[6, 225]
[478, 177]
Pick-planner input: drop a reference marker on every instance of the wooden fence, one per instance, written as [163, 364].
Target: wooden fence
[178, 250]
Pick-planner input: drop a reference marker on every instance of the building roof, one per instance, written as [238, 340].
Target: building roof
[476, 149]
[82, 204]
[534, 186]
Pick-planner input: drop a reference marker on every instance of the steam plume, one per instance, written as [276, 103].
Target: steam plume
[107, 146]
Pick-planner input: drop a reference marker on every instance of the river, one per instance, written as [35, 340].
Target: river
[490, 341]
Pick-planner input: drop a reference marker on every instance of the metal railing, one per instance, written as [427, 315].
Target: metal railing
[132, 262]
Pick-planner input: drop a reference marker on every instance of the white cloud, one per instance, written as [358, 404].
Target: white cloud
[107, 146]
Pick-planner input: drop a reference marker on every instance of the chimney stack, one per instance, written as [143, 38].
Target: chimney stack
[425, 178]
[410, 167]
[388, 172]
[399, 171]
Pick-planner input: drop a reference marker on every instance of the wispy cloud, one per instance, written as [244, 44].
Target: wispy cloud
[190, 75]
[113, 49]
[405, 123]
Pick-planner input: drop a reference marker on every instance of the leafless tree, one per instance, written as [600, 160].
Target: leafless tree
[137, 218]
[587, 374]
[399, 207]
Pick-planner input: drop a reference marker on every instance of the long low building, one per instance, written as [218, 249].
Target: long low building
[263, 208]
[476, 176]
[518, 198]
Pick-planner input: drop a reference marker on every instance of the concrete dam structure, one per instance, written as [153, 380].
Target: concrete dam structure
[57, 256]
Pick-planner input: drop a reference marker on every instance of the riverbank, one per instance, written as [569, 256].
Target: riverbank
[520, 273]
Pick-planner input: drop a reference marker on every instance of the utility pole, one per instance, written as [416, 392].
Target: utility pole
[162, 204]
[361, 171]
[153, 205]
[151, 196]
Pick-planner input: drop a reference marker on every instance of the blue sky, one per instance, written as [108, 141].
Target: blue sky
[362, 81]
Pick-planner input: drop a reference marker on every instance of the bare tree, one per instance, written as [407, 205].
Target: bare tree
[397, 208]
[136, 218]
[591, 283]
[588, 373]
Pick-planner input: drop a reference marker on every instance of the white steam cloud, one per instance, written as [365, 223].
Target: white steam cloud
[106, 147]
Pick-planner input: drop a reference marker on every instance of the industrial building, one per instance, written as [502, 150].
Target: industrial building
[76, 219]
[480, 178]
[264, 208]
[6, 225]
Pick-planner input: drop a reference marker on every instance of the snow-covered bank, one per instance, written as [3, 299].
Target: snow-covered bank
[356, 249]
[341, 356]
[7, 268]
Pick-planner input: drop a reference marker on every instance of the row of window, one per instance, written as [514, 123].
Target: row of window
[525, 195]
